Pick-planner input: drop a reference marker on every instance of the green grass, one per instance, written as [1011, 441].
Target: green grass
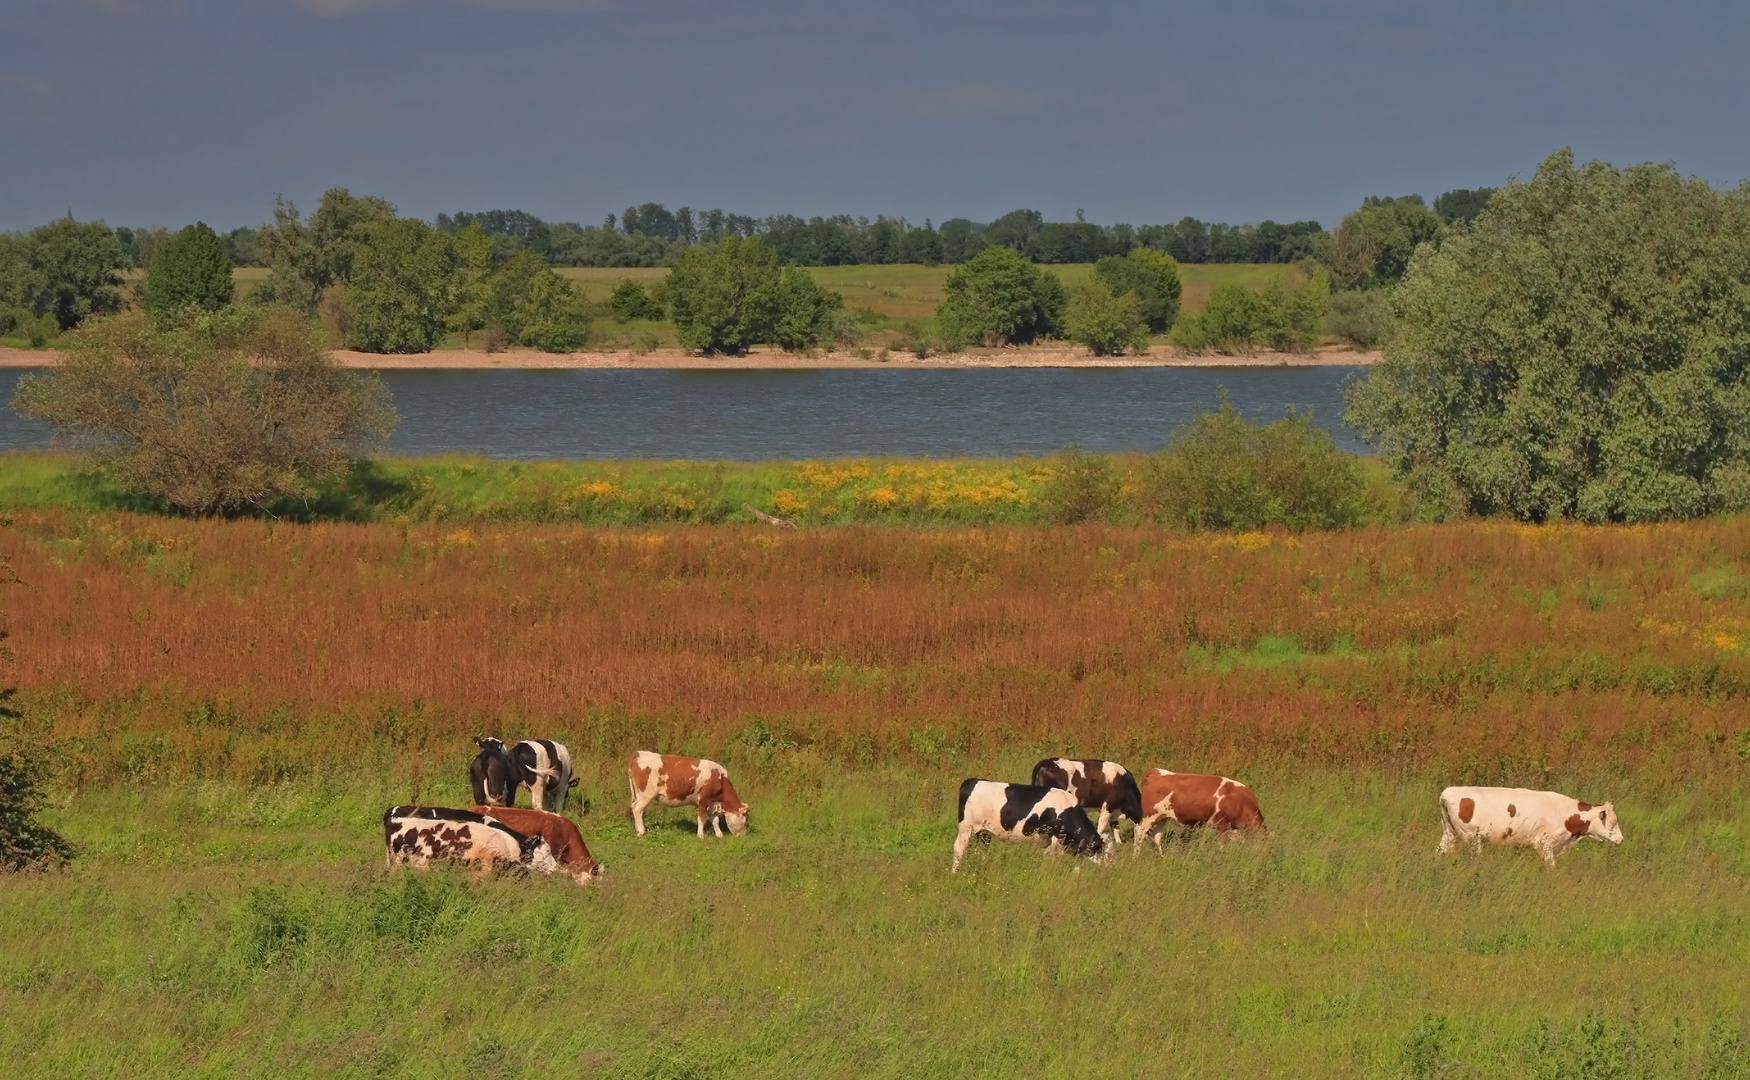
[212, 929]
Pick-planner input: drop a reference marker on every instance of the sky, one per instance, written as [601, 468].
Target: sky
[162, 112]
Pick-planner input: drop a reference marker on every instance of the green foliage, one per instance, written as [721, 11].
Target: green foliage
[1083, 487]
[25, 842]
[1106, 324]
[631, 300]
[1462, 206]
[724, 299]
[805, 312]
[1238, 320]
[536, 307]
[998, 297]
[1152, 277]
[472, 287]
[191, 269]
[213, 412]
[1221, 471]
[310, 257]
[1373, 245]
[401, 286]
[1579, 352]
[65, 270]
[1361, 317]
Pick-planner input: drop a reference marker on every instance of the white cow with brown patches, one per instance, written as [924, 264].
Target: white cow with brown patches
[1519, 817]
[668, 780]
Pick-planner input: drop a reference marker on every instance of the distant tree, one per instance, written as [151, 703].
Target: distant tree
[214, 411]
[401, 286]
[63, 271]
[473, 288]
[1463, 204]
[191, 269]
[1581, 351]
[309, 257]
[1149, 275]
[724, 299]
[805, 311]
[631, 300]
[242, 245]
[1373, 245]
[1238, 320]
[921, 246]
[1107, 324]
[1015, 229]
[998, 297]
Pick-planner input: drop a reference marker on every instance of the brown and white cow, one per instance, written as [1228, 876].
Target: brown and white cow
[418, 836]
[1103, 785]
[681, 781]
[562, 835]
[1519, 817]
[1194, 799]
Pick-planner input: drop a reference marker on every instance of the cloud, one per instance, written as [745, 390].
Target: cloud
[967, 101]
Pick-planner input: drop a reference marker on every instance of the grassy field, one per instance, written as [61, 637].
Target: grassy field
[230, 706]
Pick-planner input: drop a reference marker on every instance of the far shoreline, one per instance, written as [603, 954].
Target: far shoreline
[761, 359]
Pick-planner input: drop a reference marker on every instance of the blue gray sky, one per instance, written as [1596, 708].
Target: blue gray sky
[159, 112]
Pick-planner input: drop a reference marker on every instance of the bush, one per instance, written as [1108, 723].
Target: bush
[630, 300]
[1578, 352]
[1106, 324]
[23, 841]
[1221, 471]
[213, 412]
[540, 309]
[1149, 275]
[724, 299]
[1373, 245]
[191, 269]
[1082, 488]
[1238, 320]
[998, 297]
[805, 311]
[403, 277]
[1363, 318]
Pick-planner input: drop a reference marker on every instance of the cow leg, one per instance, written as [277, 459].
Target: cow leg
[1448, 839]
[717, 823]
[1105, 820]
[1143, 828]
[703, 814]
[960, 841]
[638, 804]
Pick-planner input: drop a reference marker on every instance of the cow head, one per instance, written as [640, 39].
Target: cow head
[1601, 824]
[1078, 835]
[737, 820]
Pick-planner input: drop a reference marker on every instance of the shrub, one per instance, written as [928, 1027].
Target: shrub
[1221, 471]
[1149, 275]
[1238, 320]
[1361, 317]
[1106, 324]
[213, 412]
[723, 299]
[400, 291]
[1083, 487]
[24, 842]
[191, 269]
[998, 297]
[805, 311]
[631, 300]
[1578, 352]
[1373, 245]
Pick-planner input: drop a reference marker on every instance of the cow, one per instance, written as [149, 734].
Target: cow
[1519, 817]
[1193, 799]
[419, 835]
[1018, 812]
[541, 765]
[1106, 785]
[678, 781]
[561, 834]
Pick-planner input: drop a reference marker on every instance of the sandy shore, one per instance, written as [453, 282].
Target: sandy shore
[1055, 356]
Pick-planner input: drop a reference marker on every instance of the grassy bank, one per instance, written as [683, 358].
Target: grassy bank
[463, 490]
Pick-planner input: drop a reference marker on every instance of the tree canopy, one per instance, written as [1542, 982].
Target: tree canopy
[724, 299]
[191, 269]
[998, 297]
[1582, 351]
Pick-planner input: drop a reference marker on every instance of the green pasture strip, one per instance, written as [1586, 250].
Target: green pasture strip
[219, 929]
[461, 489]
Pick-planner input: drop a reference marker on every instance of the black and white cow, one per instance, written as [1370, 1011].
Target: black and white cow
[418, 836]
[541, 765]
[1103, 785]
[1019, 812]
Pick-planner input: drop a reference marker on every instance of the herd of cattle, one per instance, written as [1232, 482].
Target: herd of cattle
[1053, 809]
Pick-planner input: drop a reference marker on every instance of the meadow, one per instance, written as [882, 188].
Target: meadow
[230, 706]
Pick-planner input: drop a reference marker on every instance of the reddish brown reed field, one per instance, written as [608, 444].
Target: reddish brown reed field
[1488, 651]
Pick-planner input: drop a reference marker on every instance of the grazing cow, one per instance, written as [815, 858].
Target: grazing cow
[563, 838]
[1192, 799]
[1546, 820]
[420, 835]
[1106, 785]
[678, 781]
[1021, 811]
[541, 765]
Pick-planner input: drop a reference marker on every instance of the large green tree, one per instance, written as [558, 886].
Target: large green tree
[402, 286]
[724, 299]
[535, 306]
[1149, 275]
[1373, 245]
[998, 297]
[805, 311]
[1582, 351]
[309, 257]
[65, 270]
[191, 269]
